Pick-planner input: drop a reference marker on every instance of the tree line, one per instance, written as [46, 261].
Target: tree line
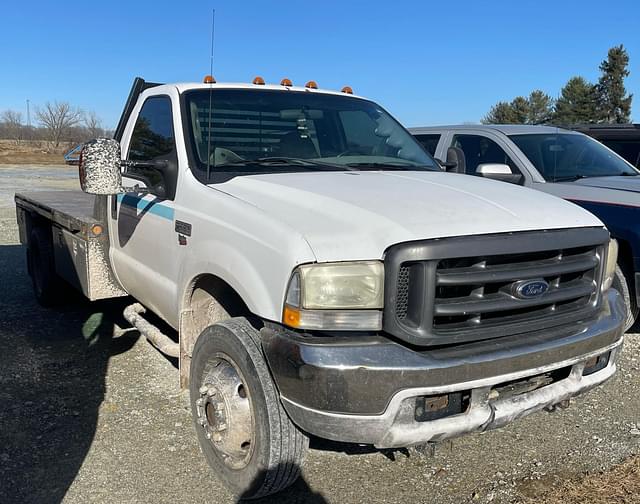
[579, 102]
[56, 123]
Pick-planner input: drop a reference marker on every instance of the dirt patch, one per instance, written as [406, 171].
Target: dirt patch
[31, 152]
[619, 485]
[89, 414]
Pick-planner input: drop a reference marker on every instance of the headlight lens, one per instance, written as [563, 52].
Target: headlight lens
[610, 268]
[342, 285]
[336, 296]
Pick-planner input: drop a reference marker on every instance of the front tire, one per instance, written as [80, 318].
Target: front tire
[620, 284]
[245, 434]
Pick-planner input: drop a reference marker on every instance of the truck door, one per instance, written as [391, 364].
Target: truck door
[144, 249]
[481, 150]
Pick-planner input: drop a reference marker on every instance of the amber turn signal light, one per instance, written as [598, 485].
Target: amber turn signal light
[311, 85]
[208, 79]
[286, 82]
[347, 89]
[291, 316]
[259, 81]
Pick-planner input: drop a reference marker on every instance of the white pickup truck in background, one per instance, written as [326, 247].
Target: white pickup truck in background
[323, 276]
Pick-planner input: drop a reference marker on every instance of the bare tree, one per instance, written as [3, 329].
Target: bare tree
[12, 122]
[93, 125]
[58, 118]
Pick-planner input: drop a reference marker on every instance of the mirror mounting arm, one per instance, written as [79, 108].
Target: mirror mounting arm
[157, 164]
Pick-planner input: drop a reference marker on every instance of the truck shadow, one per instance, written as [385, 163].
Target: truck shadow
[52, 383]
[298, 493]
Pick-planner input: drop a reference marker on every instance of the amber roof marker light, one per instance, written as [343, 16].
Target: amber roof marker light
[259, 81]
[311, 85]
[347, 89]
[208, 79]
[286, 82]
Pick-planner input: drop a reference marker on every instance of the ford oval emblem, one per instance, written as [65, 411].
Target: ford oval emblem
[527, 289]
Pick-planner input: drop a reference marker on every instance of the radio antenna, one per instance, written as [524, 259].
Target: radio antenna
[213, 24]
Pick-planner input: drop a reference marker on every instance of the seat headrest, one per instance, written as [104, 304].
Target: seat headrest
[294, 145]
[456, 155]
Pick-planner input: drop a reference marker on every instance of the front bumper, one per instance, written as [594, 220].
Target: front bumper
[364, 390]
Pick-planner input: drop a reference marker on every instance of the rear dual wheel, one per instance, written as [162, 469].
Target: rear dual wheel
[245, 434]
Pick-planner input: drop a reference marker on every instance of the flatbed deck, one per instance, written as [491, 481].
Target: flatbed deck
[80, 248]
[72, 210]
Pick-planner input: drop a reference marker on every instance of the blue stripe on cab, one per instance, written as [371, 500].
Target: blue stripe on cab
[146, 206]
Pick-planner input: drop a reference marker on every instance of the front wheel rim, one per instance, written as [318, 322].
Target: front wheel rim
[224, 412]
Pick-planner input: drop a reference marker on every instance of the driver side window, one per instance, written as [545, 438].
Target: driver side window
[482, 150]
[152, 139]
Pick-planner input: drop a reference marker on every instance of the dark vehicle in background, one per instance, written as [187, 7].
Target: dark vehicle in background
[623, 139]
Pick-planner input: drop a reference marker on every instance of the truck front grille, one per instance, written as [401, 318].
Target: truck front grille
[464, 289]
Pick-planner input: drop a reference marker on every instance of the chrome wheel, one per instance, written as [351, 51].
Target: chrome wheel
[225, 413]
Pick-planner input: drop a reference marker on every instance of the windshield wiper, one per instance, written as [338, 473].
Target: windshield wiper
[385, 166]
[283, 161]
[577, 177]
[569, 178]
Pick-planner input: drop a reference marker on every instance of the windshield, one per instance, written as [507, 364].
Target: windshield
[266, 131]
[564, 157]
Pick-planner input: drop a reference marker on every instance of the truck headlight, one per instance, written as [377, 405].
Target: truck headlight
[336, 296]
[610, 267]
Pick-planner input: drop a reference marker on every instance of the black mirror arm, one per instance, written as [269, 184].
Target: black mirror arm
[158, 164]
[446, 164]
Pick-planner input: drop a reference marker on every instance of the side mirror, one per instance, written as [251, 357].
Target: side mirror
[498, 171]
[99, 167]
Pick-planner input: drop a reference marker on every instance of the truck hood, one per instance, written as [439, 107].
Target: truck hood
[630, 184]
[359, 214]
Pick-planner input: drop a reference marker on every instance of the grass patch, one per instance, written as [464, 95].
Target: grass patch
[619, 485]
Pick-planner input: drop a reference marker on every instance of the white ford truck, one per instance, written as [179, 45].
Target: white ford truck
[323, 276]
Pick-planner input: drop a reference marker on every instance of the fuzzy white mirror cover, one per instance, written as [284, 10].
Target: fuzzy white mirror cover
[100, 167]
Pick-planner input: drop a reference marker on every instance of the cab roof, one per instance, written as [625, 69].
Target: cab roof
[189, 86]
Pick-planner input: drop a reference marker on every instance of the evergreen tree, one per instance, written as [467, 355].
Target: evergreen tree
[540, 108]
[613, 101]
[520, 107]
[536, 109]
[500, 113]
[577, 103]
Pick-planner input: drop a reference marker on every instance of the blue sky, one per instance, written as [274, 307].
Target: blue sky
[426, 62]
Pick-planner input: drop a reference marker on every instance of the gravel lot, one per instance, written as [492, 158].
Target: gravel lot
[88, 416]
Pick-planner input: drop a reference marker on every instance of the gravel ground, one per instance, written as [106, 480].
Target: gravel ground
[90, 417]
